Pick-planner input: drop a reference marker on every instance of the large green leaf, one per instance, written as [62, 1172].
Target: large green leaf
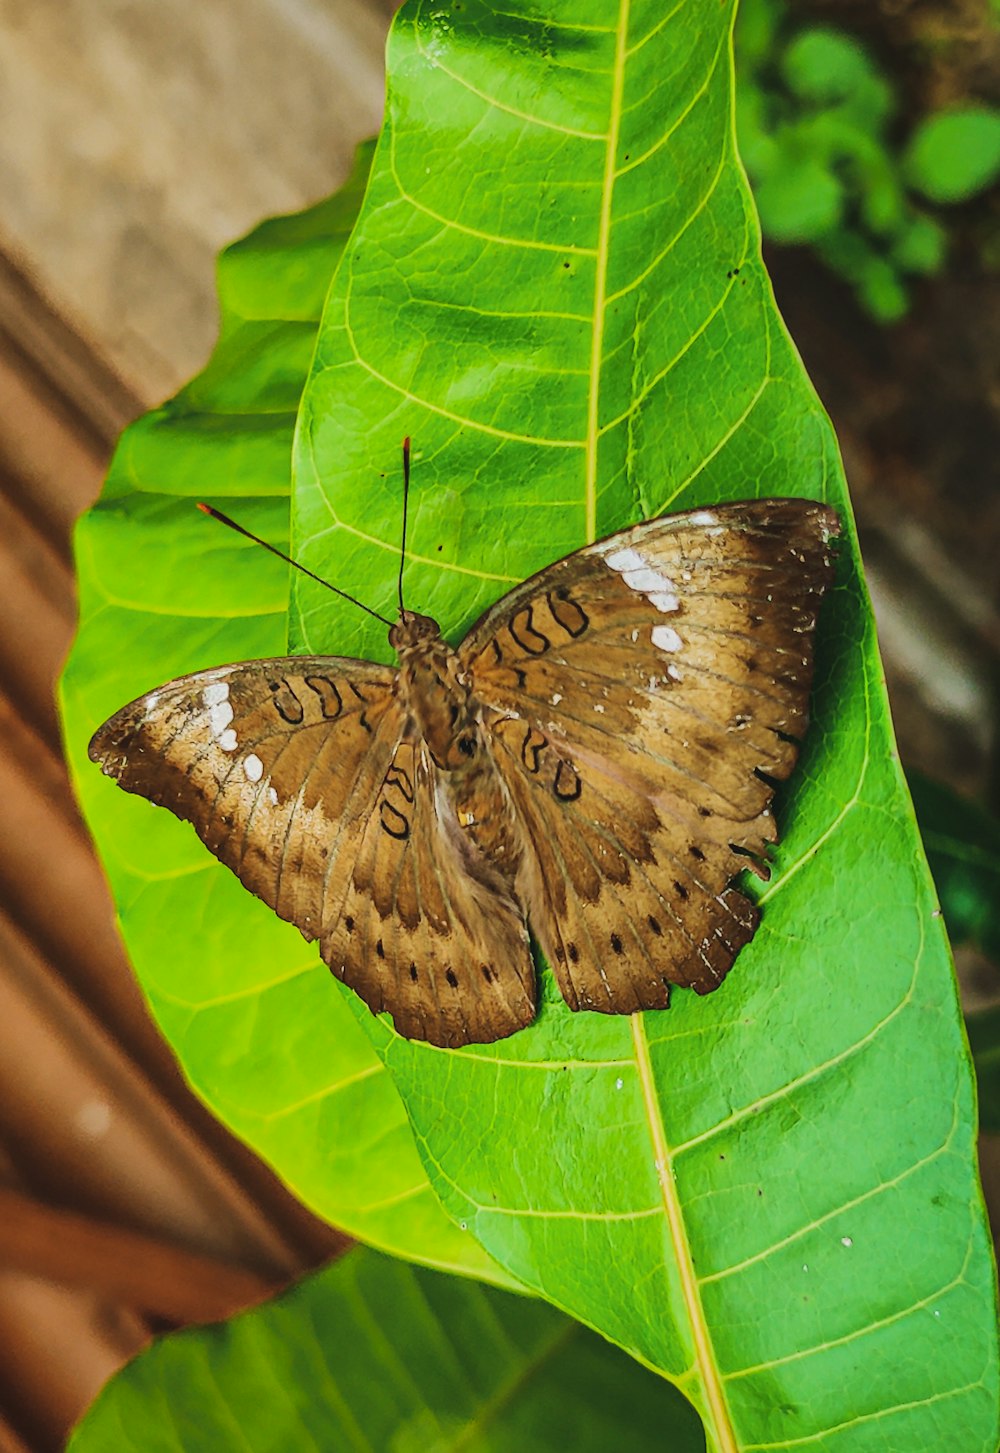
[370, 1356]
[555, 286]
[163, 592]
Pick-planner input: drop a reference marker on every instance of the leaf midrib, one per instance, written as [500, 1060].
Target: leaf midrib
[715, 1399]
[711, 1382]
[601, 269]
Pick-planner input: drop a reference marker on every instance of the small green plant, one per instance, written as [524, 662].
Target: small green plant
[813, 117]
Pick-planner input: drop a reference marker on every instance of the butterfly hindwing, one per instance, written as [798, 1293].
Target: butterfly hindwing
[620, 908]
[429, 930]
[643, 696]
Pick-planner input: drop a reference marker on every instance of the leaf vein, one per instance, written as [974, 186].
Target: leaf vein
[858, 1332]
[495, 238]
[865, 1418]
[466, 423]
[804, 1079]
[497, 105]
[831, 1215]
[679, 120]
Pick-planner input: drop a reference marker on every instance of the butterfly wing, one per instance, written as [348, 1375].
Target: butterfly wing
[295, 773]
[276, 764]
[642, 698]
[429, 929]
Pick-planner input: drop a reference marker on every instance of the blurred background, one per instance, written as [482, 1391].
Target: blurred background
[136, 141]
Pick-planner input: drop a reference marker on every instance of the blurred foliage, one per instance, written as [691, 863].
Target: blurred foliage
[962, 841]
[955, 154]
[984, 1041]
[814, 115]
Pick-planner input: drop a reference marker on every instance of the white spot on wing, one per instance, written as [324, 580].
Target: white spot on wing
[152, 701]
[646, 580]
[642, 578]
[665, 638]
[228, 740]
[273, 796]
[625, 560]
[703, 517]
[215, 692]
[253, 767]
[220, 714]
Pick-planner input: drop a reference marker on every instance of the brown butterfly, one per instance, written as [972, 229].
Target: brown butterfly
[597, 759]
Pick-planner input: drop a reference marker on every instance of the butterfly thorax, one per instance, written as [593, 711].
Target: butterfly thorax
[443, 712]
[434, 692]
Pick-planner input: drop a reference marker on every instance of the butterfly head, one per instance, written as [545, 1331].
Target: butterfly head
[411, 630]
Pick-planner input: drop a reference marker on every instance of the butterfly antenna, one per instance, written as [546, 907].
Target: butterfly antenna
[225, 520]
[406, 501]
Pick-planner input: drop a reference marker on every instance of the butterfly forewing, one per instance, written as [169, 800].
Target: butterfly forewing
[643, 695]
[294, 773]
[277, 765]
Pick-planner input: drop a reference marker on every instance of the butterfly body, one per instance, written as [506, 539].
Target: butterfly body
[435, 693]
[597, 758]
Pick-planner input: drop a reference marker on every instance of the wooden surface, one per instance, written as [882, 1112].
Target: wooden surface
[146, 138]
[140, 138]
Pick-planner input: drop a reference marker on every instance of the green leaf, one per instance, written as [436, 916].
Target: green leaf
[955, 154]
[873, 276]
[882, 203]
[162, 592]
[758, 148]
[799, 199]
[555, 287]
[882, 291]
[756, 33]
[824, 65]
[370, 1356]
[962, 841]
[921, 245]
